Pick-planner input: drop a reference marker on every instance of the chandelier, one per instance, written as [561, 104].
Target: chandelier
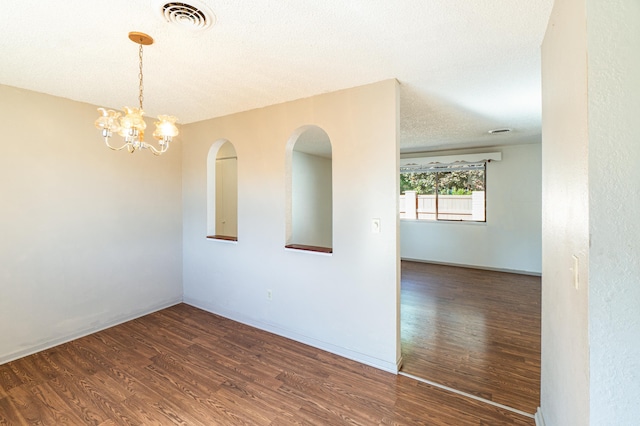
[131, 126]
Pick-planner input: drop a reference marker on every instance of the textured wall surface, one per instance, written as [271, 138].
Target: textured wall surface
[613, 37]
[88, 236]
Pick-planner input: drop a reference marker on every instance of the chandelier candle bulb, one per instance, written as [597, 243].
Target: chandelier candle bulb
[131, 126]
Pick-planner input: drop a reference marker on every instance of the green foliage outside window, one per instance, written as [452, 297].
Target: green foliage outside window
[459, 182]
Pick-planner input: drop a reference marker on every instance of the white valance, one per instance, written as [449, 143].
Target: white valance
[464, 161]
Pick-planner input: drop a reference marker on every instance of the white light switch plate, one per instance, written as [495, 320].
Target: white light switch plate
[375, 226]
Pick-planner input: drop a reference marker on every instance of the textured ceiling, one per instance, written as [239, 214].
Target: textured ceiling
[465, 66]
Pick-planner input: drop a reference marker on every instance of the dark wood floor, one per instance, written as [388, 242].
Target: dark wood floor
[185, 366]
[472, 330]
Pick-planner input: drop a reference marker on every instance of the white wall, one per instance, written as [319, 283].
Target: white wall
[88, 237]
[346, 302]
[311, 200]
[565, 220]
[511, 237]
[590, 344]
[613, 40]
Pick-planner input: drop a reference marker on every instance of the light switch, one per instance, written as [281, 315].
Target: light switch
[375, 226]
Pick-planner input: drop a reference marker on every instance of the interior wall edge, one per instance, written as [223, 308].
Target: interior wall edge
[283, 332]
[50, 343]
[484, 268]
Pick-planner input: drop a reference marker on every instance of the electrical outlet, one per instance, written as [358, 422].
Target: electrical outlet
[269, 294]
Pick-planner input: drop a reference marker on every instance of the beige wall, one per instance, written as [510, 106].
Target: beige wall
[88, 237]
[346, 302]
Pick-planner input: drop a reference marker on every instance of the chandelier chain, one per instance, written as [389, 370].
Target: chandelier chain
[140, 77]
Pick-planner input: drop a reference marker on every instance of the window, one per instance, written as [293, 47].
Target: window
[451, 192]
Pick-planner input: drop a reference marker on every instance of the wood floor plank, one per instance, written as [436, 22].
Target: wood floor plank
[201, 379]
[33, 369]
[175, 407]
[78, 400]
[188, 367]
[52, 400]
[30, 408]
[333, 400]
[169, 395]
[227, 368]
[233, 396]
[8, 377]
[145, 413]
[267, 401]
[9, 413]
[108, 400]
[140, 340]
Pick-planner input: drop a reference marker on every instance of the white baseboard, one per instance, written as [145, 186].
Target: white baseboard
[41, 346]
[391, 367]
[539, 418]
[484, 268]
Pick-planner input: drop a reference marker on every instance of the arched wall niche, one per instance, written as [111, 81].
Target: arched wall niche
[222, 191]
[309, 217]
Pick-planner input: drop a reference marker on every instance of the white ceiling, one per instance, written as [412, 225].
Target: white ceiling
[465, 66]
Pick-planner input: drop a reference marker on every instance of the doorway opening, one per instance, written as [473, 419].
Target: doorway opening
[474, 331]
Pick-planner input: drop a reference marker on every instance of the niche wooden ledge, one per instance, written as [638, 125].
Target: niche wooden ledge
[309, 248]
[222, 237]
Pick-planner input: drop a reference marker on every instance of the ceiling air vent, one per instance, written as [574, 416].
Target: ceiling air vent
[194, 15]
[498, 131]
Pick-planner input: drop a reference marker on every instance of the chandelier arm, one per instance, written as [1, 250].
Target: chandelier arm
[106, 141]
[156, 151]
